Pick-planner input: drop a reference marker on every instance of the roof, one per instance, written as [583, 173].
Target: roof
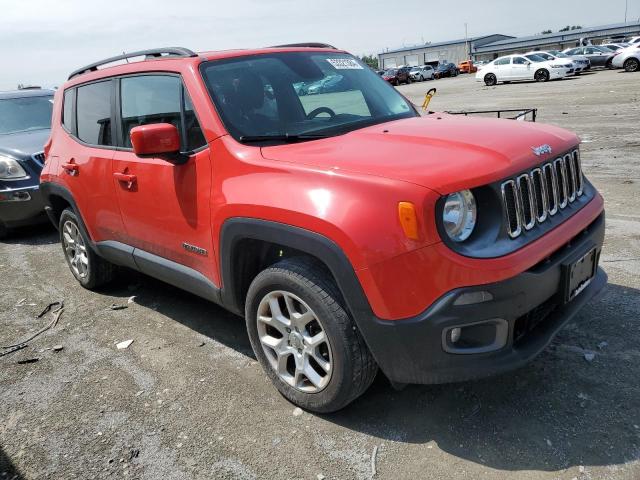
[442, 44]
[35, 92]
[551, 37]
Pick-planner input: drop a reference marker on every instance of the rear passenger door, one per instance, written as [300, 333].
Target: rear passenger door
[166, 208]
[85, 157]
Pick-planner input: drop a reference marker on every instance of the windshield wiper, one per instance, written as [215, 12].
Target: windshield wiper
[287, 137]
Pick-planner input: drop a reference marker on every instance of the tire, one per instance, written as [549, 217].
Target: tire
[490, 80]
[632, 65]
[4, 231]
[300, 286]
[541, 75]
[609, 64]
[90, 270]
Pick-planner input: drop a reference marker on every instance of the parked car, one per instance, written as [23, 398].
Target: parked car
[446, 70]
[633, 40]
[597, 56]
[429, 252]
[629, 58]
[519, 67]
[581, 60]
[615, 46]
[467, 67]
[579, 64]
[396, 76]
[422, 73]
[25, 120]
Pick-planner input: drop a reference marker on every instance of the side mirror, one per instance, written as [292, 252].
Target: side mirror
[155, 139]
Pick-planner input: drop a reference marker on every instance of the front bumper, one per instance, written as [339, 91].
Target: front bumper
[529, 306]
[21, 206]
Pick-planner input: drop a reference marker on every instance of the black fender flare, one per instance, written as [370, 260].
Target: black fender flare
[236, 229]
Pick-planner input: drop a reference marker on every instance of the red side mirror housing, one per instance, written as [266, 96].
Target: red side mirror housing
[155, 138]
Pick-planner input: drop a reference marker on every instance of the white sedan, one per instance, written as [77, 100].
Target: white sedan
[629, 58]
[520, 67]
[579, 63]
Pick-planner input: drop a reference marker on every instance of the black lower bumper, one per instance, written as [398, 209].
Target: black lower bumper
[21, 206]
[529, 309]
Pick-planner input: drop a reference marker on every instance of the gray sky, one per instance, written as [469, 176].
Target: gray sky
[41, 41]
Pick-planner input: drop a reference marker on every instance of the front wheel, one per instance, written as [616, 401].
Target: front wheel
[541, 76]
[304, 339]
[88, 268]
[632, 65]
[490, 80]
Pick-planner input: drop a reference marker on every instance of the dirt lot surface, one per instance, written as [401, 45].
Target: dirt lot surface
[188, 400]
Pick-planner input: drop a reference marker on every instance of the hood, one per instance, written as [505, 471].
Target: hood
[444, 153]
[24, 144]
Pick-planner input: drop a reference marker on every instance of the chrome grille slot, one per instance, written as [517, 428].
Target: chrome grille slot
[578, 168]
[561, 181]
[539, 188]
[552, 188]
[512, 208]
[528, 217]
[569, 167]
[532, 197]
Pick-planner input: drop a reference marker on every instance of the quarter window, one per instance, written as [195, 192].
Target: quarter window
[94, 113]
[67, 110]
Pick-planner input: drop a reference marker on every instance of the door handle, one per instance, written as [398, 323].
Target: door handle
[71, 168]
[125, 178]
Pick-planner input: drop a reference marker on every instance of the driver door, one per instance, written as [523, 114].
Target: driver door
[521, 69]
[165, 206]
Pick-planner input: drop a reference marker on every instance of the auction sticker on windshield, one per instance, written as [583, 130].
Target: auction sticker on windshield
[344, 64]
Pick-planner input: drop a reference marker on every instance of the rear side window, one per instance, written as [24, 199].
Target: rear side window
[67, 111]
[159, 99]
[94, 113]
[502, 61]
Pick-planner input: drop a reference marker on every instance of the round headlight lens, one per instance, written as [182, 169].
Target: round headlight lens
[459, 215]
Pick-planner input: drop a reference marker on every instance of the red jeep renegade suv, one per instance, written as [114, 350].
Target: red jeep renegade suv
[294, 186]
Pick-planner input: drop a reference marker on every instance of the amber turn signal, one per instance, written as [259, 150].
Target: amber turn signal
[408, 219]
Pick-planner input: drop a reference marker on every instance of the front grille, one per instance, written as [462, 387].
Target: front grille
[38, 158]
[536, 195]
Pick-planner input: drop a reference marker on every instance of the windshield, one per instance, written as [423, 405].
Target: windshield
[287, 96]
[390, 72]
[25, 113]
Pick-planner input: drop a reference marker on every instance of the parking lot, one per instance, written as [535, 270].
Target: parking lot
[187, 399]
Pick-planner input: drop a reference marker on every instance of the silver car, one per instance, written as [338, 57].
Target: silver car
[422, 73]
[598, 56]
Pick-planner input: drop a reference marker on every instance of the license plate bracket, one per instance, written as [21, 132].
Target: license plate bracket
[578, 274]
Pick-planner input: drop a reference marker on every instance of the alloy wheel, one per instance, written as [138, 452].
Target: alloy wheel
[632, 65]
[75, 249]
[294, 341]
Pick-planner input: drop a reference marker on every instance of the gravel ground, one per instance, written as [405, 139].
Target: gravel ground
[187, 399]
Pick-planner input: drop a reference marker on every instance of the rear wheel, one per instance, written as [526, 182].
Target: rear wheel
[304, 339]
[4, 232]
[632, 65]
[89, 269]
[541, 75]
[490, 80]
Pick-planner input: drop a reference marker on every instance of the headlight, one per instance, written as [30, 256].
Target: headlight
[459, 215]
[10, 169]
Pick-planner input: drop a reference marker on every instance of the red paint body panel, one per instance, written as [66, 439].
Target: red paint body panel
[346, 188]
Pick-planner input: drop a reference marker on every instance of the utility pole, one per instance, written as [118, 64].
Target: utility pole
[466, 41]
[626, 9]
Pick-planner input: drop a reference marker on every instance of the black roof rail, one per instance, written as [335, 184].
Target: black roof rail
[152, 53]
[307, 45]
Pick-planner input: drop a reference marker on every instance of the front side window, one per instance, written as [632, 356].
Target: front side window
[520, 61]
[284, 95]
[25, 113]
[93, 113]
[148, 99]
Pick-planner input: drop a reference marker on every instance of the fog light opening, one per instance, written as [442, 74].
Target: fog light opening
[478, 337]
